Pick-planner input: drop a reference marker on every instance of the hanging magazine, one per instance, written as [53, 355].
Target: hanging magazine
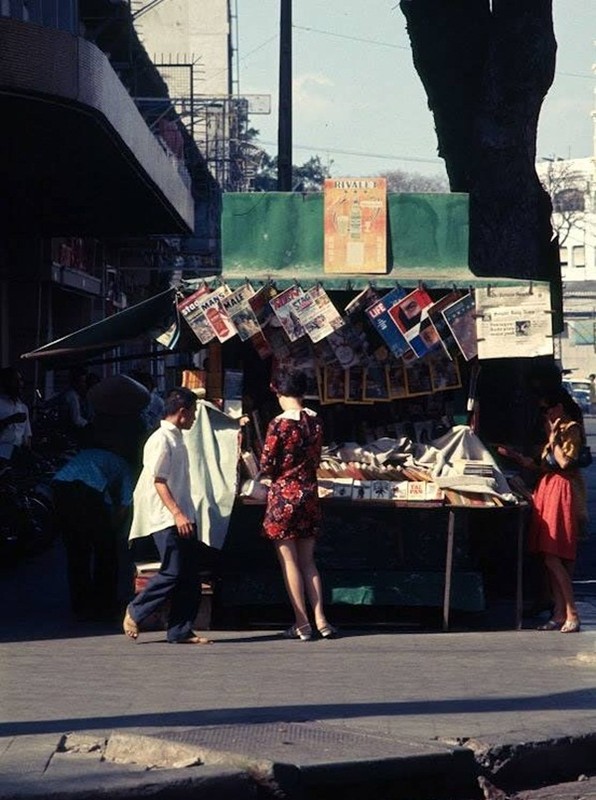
[283, 310]
[192, 313]
[438, 320]
[238, 309]
[373, 344]
[378, 314]
[215, 314]
[259, 303]
[410, 315]
[317, 314]
[461, 318]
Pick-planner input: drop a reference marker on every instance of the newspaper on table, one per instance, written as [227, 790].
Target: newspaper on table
[513, 322]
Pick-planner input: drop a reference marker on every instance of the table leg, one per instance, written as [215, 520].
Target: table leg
[448, 569]
[519, 598]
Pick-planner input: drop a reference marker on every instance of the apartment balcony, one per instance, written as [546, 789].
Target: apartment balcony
[77, 158]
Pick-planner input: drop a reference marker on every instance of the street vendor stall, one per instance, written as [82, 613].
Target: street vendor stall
[378, 306]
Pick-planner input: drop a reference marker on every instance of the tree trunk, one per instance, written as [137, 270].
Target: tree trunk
[486, 71]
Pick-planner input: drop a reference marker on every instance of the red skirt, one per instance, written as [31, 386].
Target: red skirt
[554, 524]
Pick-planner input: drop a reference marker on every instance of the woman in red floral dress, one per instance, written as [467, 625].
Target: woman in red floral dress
[291, 455]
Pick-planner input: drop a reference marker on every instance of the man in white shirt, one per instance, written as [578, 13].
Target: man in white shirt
[15, 427]
[163, 508]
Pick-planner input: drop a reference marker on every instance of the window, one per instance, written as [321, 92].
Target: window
[579, 256]
[563, 256]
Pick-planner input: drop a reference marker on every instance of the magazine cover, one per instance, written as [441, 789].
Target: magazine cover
[410, 315]
[277, 339]
[334, 384]
[215, 314]
[514, 322]
[374, 346]
[260, 304]
[444, 372]
[192, 313]
[418, 380]
[284, 311]
[378, 314]
[435, 312]
[396, 378]
[355, 225]
[239, 311]
[316, 313]
[261, 345]
[461, 319]
[354, 388]
[376, 384]
[347, 346]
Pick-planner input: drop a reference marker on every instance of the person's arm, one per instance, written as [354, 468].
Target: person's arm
[524, 461]
[565, 444]
[73, 404]
[184, 525]
[270, 456]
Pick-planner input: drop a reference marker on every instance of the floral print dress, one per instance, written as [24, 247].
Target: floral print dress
[291, 455]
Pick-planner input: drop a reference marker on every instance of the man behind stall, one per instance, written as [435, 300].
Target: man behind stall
[15, 427]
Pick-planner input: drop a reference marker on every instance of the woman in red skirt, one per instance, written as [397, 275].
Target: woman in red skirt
[560, 510]
[290, 457]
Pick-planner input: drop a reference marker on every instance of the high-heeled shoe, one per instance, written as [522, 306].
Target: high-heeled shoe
[571, 626]
[328, 632]
[302, 632]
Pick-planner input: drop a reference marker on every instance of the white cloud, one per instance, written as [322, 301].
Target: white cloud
[312, 94]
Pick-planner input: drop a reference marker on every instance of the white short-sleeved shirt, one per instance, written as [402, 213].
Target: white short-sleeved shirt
[16, 433]
[164, 456]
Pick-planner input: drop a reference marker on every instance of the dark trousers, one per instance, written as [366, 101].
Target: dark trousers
[90, 537]
[178, 580]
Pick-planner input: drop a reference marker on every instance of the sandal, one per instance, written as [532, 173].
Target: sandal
[129, 626]
[194, 638]
[551, 625]
[328, 632]
[302, 632]
[571, 626]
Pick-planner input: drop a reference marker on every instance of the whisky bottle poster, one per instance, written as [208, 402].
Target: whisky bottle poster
[355, 225]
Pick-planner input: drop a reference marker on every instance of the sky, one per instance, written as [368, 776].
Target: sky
[357, 100]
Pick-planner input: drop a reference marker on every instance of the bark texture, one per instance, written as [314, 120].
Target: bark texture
[486, 68]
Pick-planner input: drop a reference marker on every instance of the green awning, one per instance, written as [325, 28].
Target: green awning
[279, 236]
[154, 314]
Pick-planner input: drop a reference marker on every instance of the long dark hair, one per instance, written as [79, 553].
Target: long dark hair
[570, 407]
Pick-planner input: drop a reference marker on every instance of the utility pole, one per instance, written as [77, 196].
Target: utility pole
[284, 128]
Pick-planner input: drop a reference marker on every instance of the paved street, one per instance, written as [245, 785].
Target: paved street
[371, 697]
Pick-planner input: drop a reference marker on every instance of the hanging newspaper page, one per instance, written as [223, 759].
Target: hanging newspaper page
[461, 318]
[193, 314]
[378, 314]
[317, 314]
[410, 314]
[283, 310]
[239, 311]
[513, 322]
[215, 314]
[355, 225]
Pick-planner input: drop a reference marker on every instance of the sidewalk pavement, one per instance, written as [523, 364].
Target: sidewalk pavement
[87, 712]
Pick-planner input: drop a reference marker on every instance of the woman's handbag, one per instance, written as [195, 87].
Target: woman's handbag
[584, 458]
[254, 490]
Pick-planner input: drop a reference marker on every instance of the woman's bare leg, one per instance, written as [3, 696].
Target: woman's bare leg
[560, 575]
[312, 579]
[288, 558]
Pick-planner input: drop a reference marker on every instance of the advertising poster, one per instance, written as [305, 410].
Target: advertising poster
[513, 322]
[355, 225]
[410, 314]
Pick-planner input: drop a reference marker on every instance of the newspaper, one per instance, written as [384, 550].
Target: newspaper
[513, 322]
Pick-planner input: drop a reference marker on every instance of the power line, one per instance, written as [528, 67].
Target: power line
[360, 153]
[352, 38]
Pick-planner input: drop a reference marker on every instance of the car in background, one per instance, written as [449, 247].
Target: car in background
[580, 391]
